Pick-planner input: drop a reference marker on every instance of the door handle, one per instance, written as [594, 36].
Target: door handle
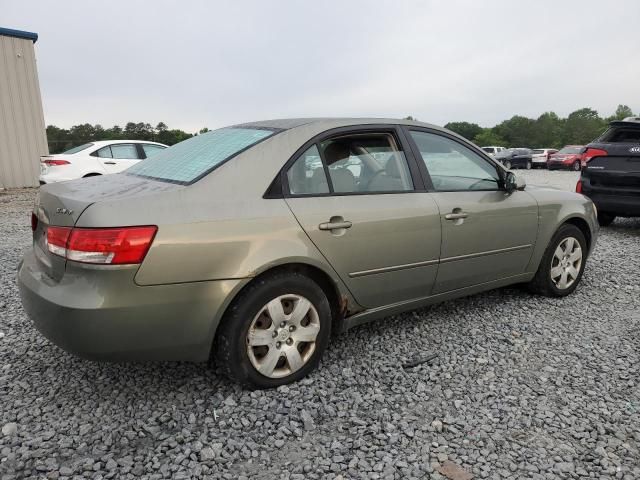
[109, 163]
[455, 216]
[335, 225]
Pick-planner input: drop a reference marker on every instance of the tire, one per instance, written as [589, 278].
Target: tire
[576, 166]
[528, 165]
[507, 164]
[248, 317]
[605, 219]
[544, 283]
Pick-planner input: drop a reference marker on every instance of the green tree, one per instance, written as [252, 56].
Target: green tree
[517, 131]
[582, 126]
[622, 112]
[466, 129]
[488, 138]
[203, 130]
[547, 131]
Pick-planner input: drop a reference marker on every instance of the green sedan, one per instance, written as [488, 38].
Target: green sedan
[251, 244]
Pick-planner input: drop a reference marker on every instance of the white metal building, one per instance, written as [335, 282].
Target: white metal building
[23, 137]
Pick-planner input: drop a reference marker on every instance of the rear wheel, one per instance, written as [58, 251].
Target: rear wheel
[605, 219]
[562, 265]
[528, 165]
[576, 166]
[274, 332]
[507, 164]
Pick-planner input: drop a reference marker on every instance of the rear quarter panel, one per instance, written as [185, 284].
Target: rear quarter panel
[220, 227]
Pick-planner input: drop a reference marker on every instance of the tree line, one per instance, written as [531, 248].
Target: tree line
[547, 131]
[61, 139]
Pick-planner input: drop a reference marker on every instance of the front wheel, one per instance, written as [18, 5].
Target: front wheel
[507, 165]
[576, 166]
[605, 219]
[274, 332]
[528, 165]
[562, 265]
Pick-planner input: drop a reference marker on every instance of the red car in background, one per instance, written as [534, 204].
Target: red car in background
[569, 157]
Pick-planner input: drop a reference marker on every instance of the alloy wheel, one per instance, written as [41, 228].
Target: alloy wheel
[282, 336]
[566, 263]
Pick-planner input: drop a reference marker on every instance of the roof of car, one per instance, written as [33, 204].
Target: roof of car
[101, 143]
[330, 122]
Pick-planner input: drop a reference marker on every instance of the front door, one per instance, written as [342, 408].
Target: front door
[354, 196]
[487, 233]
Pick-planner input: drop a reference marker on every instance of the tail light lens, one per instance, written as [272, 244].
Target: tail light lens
[593, 152]
[579, 186]
[55, 163]
[105, 246]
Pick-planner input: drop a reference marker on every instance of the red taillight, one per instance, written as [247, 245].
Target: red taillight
[579, 186]
[593, 152]
[57, 238]
[111, 246]
[34, 222]
[54, 163]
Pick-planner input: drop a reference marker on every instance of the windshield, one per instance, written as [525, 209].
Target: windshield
[194, 158]
[78, 148]
[538, 151]
[570, 150]
[488, 149]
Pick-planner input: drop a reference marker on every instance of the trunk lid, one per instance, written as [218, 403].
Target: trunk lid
[61, 205]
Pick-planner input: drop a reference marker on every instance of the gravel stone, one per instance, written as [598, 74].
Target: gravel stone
[524, 387]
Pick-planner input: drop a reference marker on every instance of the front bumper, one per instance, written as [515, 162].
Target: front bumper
[558, 165]
[101, 314]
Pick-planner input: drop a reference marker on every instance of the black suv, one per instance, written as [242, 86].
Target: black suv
[516, 158]
[611, 175]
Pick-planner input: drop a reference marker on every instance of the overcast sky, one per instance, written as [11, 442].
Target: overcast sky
[192, 64]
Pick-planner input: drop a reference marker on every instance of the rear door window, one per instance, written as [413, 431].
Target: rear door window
[366, 163]
[104, 152]
[124, 151]
[192, 159]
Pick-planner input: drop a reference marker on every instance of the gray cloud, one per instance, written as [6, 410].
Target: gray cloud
[196, 63]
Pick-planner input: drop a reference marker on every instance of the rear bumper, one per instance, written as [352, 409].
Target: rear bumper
[621, 205]
[102, 314]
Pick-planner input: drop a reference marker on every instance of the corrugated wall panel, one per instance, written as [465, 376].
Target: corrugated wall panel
[22, 131]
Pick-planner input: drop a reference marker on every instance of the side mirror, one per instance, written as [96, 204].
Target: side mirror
[512, 182]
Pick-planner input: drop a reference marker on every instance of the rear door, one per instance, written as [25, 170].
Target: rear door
[118, 157]
[487, 234]
[361, 201]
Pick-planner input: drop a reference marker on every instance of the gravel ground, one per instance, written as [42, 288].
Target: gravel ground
[523, 387]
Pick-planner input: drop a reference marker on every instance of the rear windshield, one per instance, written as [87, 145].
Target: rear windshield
[79, 148]
[192, 159]
[488, 149]
[538, 151]
[570, 150]
[620, 135]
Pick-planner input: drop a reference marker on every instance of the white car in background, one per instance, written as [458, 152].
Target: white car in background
[540, 156]
[95, 158]
[493, 151]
